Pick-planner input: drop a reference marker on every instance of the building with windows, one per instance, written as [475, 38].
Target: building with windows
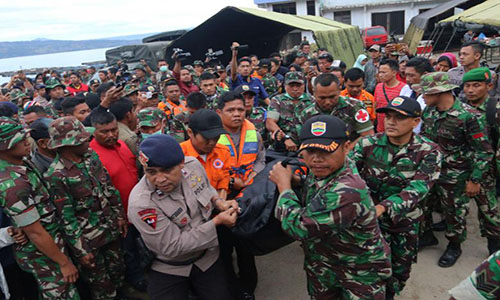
[394, 15]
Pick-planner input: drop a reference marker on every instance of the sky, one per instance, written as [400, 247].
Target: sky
[23, 20]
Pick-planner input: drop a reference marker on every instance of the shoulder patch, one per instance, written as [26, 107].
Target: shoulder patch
[149, 216]
[362, 116]
[218, 163]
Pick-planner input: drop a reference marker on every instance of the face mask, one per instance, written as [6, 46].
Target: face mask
[146, 135]
[163, 68]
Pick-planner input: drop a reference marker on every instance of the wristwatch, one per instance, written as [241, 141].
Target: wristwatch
[231, 182]
[287, 137]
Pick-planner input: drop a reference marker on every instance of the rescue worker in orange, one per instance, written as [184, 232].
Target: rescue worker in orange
[355, 88]
[205, 128]
[173, 104]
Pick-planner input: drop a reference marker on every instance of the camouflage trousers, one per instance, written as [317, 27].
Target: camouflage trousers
[49, 278]
[483, 283]
[404, 244]
[455, 205]
[108, 274]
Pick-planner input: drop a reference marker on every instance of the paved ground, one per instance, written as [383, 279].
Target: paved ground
[281, 275]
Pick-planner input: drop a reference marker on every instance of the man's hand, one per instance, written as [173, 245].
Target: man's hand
[226, 218]
[143, 62]
[472, 189]
[290, 145]
[380, 210]
[88, 260]
[223, 205]
[278, 135]
[18, 235]
[234, 47]
[281, 176]
[69, 272]
[123, 227]
[238, 184]
[112, 95]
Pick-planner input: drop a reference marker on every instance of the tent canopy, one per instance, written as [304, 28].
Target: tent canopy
[164, 36]
[418, 24]
[485, 13]
[263, 32]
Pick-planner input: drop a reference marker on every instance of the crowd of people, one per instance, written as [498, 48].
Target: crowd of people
[124, 184]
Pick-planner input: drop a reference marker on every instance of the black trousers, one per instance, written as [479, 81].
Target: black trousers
[22, 285]
[246, 280]
[208, 285]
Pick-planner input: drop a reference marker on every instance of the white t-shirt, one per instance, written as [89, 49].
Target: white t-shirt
[407, 91]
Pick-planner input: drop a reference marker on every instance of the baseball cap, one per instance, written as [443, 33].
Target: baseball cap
[374, 48]
[150, 91]
[291, 77]
[244, 88]
[207, 123]
[67, 131]
[40, 129]
[265, 63]
[39, 86]
[94, 81]
[198, 63]
[150, 116]
[323, 132]
[403, 105]
[11, 133]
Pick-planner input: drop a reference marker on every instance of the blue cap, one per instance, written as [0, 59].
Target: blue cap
[11, 105]
[160, 150]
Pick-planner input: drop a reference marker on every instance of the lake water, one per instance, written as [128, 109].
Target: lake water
[63, 59]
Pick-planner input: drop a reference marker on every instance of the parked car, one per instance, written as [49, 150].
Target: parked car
[375, 35]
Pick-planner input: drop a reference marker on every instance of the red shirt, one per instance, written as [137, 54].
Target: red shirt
[120, 163]
[185, 88]
[73, 90]
[381, 100]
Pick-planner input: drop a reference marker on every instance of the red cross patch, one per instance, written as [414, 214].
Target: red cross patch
[362, 116]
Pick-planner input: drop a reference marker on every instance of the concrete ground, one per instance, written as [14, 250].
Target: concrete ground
[281, 275]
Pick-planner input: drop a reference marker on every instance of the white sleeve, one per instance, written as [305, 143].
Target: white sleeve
[5, 238]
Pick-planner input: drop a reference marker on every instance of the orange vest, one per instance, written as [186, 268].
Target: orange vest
[170, 108]
[243, 158]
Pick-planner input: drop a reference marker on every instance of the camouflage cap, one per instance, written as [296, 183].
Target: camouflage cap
[291, 77]
[198, 63]
[150, 116]
[67, 131]
[53, 82]
[11, 133]
[17, 94]
[130, 89]
[301, 54]
[434, 83]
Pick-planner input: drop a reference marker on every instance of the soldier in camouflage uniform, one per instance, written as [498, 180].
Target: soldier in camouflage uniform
[482, 284]
[461, 135]
[26, 200]
[179, 124]
[208, 87]
[346, 256]
[477, 83]
[55, 89]
[351, 111]
[17, 96]
[88, 207]
[283, 114]
[270, 83]
[255, 114]
[399, 168]
[151, 121]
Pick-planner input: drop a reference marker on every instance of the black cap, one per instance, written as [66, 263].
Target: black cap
[153, 149]
[265, 63]
[40, 129]
[207, 123]
[94, 81]
[244, 88]
[40, 86]
[403, 105]
[323, 132]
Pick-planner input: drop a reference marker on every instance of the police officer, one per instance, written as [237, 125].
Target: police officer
[460, 133]
[283, 114]
[476, 86]
[171, 207]
[345, 254]
[399, 168]
[328, 101]
[88, 206]
[26, 200]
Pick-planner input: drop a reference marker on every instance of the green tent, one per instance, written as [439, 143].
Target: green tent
[485, 13]
[263, 32]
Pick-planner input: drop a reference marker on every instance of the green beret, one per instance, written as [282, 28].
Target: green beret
[477, 74]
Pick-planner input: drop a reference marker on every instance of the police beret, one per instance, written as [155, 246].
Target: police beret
[478, 74]
[160, 150]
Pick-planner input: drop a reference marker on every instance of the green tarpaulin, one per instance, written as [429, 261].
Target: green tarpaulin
[486, 13]
[263, 31]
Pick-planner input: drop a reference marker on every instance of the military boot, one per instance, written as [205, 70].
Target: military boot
[450, 256]
[427, 239]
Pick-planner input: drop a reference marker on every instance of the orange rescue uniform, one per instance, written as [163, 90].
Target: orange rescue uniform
[367, 99]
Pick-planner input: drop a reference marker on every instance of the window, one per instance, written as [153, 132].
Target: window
[342, 16]
[393, 21]
[286, 8]
[311, 9]
[375, 31]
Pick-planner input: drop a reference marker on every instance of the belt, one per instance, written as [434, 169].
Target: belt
[182, 263]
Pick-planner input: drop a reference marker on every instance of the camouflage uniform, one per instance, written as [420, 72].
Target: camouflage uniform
[178, 127]
[258, 117]
[50, 108]
[463, 140]
[283, 109]
[150, 117]
[351, 111]
[270, 84]
[26, 200]
[483, 283]
[399, 178]
[88, 207]
[16, 96]
[212, 101]
[336, 222]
